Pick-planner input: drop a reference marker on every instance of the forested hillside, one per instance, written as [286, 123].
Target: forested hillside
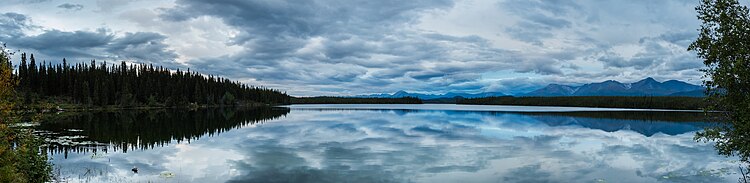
[688, 103]
[354, 100]
[133, 85]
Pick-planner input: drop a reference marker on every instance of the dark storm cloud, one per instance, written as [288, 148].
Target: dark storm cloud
[342, 43]
[83, 45]
[687, 62]
[14, 25]
[680, 38]
[667, 49]
[142, 46]
[538, 18]
[340, 47]
[71, 7]
[60, 43]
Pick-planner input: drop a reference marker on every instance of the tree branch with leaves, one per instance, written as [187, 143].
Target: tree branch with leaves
[724, 46]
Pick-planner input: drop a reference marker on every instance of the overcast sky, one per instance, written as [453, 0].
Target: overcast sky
[349, 47]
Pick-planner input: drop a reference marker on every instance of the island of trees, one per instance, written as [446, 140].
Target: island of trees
[128, 85]
[355, 100]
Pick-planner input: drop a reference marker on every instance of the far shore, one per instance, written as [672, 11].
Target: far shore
[475, 107]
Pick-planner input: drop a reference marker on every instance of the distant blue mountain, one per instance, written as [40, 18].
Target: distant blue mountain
[402, 93]
[693, 93]
[553, 90]
[645, 87]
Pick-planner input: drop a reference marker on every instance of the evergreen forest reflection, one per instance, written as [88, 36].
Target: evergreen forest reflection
[384, 145]
[145, 129]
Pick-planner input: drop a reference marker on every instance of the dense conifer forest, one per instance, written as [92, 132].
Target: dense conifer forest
[355, 100]
[645, 102]
[134, 85]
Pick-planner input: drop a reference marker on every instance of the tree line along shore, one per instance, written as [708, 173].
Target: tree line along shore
[115, 86]
[632, 102]
[637, 102]
[99, 85]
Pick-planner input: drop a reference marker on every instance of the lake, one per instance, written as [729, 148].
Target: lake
[385, 143]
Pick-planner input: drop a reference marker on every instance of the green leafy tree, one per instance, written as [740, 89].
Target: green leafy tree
[7, 83]
[21, 159]
[228, 98]
[724, 46]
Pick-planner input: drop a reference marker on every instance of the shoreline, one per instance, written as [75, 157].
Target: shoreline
[78, 108]
[480, 107]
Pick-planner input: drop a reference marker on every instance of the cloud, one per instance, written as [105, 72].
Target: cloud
[341, 44]
[61, 43]
[107, 6]
[539, 19]
[390, 54]
[666, 51]
[82, 45]
[14, 25]
[146, 46]
[27, 1]
[334, 47]
[71, 7]
[428, 146]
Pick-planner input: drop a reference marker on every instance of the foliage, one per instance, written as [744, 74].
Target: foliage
[21, 159]
[594, 101]
[724, 46]
[7, 83]
[134, 84]
[355, 100]
[228, 98]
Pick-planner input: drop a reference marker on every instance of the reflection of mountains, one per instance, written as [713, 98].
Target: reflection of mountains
[142, 129]
[646, 123]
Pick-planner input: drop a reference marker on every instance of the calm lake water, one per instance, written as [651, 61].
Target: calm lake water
[385, 143]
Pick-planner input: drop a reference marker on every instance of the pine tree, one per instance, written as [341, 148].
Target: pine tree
[136, 84]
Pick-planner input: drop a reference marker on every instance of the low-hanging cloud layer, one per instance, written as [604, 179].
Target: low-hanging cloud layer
[350, 47]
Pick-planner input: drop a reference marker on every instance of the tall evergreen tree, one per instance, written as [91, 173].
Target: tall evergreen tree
[137, 84]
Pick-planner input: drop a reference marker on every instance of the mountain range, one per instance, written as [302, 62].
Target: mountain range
[402, 93]
[645, 87]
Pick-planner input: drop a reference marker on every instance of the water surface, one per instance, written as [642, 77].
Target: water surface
[423, 143]
[460, 107]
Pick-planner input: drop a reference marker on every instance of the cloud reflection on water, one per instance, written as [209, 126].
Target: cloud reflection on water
[428, 146]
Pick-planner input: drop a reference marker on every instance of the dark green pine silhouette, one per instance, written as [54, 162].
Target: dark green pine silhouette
[135, 85]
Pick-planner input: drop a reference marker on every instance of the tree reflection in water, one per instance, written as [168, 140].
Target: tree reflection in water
[144, 129]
